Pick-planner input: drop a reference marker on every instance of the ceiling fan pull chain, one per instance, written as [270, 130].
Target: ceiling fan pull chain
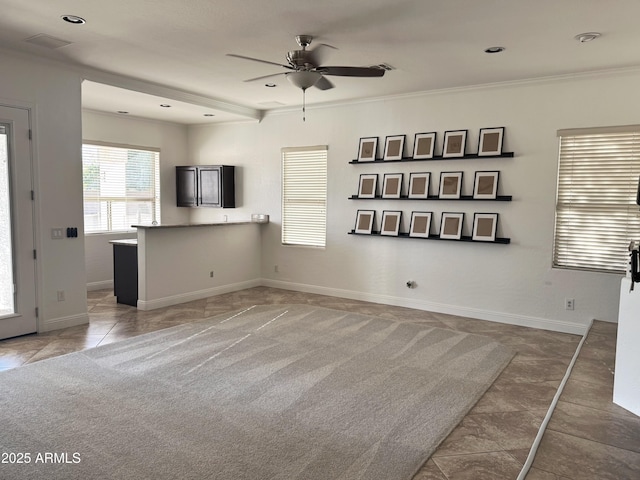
[304, 104]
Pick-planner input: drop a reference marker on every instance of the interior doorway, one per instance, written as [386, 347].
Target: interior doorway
[17, 240]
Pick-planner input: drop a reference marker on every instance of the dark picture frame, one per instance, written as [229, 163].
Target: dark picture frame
[490, 141]
[367, 149]
[393, 147]
[424, 145]
[451, 225]
[450, 185]
[365, 220]
[390, 225]
[420, 226]
[485, 226]
[485, 185]
[392, 185]
[455, 142]
[419, 185]
[368, 185]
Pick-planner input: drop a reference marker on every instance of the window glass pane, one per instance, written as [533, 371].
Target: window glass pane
[121, 187]
[304, 196]
[7, 300]
[596, 211]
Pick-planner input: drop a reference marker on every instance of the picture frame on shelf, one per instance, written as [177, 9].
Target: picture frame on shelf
[485, 226]
[368, 185]
[364, 221]
[391, 223]
[393, 147]
[454, 145]
[368, 149]
[490, 141]
[424, 145]
[451, 225]
[420, 226]
[419, 184]
[392, 185]
[450, 185]
[485, 185]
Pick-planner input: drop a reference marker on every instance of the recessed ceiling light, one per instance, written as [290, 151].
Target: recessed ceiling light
[494, 50]
[74, 19]
[270, 85]
[587, 37]
[165, 105]
[122, 112]
[209, 115]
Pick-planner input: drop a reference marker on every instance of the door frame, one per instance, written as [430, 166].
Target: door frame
[30, 109]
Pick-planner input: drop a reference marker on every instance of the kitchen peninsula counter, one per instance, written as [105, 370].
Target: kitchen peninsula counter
[191, 225]
[179, 263]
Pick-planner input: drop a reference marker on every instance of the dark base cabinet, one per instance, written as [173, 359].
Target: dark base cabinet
[125, 273]
[206, 186]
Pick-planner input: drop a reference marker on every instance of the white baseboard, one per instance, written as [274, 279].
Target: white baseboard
[197, 295]
[93, 286]
[500, 317]
[62, 322]
[492, 316]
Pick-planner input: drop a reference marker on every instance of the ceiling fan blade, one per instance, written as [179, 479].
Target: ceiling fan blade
[258, 60]
[265, 76]
[351, 71]
[324, 83]
[318, 54]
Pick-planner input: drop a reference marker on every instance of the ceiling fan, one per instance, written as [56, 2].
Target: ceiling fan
[305, 67]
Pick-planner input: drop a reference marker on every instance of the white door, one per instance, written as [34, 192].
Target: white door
[17, 251]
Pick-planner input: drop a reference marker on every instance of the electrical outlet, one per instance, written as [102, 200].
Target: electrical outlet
[211, 273]
[61, 295]
[275, 268]
[569, 303]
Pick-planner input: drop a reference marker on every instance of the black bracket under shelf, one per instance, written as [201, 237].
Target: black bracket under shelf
[499, 198]
[435, 158]
[499, 240]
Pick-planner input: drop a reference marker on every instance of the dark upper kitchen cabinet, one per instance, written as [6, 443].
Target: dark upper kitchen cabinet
[206, 186]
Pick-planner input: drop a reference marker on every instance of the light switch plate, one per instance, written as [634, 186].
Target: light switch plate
[56, 233]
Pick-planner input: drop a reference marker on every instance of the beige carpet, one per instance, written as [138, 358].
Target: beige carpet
[271, 392]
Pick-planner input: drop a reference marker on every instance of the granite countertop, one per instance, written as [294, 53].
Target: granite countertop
[125, 241]
[183, 225]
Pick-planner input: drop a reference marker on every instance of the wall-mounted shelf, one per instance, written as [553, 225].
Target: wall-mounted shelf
[468, 156]
[499, 240]
[499, 198]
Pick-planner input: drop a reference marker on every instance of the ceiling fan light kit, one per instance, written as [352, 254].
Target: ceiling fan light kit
[303, 79]
[306, 69]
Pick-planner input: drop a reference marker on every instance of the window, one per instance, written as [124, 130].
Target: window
[121, 187]
[596, 211]
[304, 196]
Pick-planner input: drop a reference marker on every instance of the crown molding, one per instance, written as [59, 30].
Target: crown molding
[467, 88]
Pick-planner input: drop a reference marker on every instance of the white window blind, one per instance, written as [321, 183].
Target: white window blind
[121, 186]
[304, 196]
[596, 211]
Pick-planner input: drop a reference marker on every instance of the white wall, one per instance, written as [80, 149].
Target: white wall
[512, 283]
[507, 283]
[171, 139]
[53, 94]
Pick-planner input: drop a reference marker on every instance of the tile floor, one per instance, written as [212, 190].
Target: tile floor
[588, 436]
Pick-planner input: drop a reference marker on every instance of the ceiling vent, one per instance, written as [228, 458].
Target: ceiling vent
[47, 41]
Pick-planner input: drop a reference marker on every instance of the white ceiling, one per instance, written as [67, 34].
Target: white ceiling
[140, 53]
